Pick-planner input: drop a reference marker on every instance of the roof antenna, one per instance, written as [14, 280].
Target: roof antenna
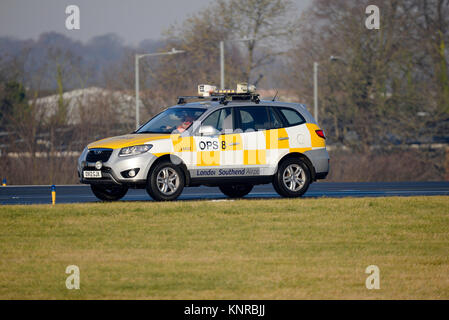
[274, 98]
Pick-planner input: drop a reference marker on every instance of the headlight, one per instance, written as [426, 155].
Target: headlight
[134, 150]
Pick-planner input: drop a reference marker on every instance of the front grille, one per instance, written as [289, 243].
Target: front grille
[95, 155]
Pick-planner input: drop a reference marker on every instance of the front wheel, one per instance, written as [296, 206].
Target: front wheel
[109, 192]
[236, 190]
[165, 182]
[292, 178]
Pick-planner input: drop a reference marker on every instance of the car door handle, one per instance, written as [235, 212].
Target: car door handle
[283, 138]
[234, 144]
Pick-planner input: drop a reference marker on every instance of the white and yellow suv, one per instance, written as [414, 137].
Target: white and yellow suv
[231, 139]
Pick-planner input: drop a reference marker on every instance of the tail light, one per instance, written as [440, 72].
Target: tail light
[320, 134]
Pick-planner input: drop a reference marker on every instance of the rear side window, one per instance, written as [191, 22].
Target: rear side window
[253, 118]
[275, 119]
[291, 117]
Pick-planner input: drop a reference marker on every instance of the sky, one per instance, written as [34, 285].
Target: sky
[132, 20]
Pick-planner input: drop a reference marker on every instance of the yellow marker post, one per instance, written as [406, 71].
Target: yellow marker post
[53, 194]
[4, 182]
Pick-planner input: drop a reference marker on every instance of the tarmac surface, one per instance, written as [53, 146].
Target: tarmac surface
[82, 193]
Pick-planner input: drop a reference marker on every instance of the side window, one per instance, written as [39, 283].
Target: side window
[291, 117]
[221, 120]
[253, 118]
[225, 121]
[212, 120]
[275, 120]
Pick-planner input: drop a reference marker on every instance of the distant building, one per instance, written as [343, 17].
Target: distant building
[91, 104]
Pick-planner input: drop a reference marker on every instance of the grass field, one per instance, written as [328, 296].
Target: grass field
[245, 249]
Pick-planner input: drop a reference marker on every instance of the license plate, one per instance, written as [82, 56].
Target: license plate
[92, 174]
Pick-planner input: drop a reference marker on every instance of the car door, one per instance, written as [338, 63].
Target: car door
[277, 139]
[252, 122]
[219, 150]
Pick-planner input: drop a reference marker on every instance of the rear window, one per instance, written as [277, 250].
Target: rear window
[291, 117]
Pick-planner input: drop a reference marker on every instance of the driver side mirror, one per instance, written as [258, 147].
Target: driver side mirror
[207, 131]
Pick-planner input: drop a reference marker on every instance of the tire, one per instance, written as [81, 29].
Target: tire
[109, 192]
[289, 187]
[165, 176]
[236, 190]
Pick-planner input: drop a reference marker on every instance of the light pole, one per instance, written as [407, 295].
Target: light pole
[222, 81]
[315, 83]
[137, 58]
[222, 66]
[315, 90]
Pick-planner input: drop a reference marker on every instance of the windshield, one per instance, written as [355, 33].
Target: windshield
[179, 119]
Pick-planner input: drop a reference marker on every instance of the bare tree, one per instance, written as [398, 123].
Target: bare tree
[268, 24]
[430, 19]
[372, 92]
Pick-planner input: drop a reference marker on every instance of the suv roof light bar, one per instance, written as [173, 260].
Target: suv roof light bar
[223, 98]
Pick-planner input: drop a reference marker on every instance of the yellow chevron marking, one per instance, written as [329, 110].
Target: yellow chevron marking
[208, 158]
[232, 142]
[254, 157]
[127, 140]
[317, 142]
[183, 144]
[272, 139]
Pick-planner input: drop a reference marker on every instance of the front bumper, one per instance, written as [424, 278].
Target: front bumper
[113, 169]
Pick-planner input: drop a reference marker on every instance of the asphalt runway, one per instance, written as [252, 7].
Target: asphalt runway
[82, 193]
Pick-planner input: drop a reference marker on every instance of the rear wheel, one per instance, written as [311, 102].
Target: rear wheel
[236, 190]
[292, 178]
[165, 182]
[109, 192]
